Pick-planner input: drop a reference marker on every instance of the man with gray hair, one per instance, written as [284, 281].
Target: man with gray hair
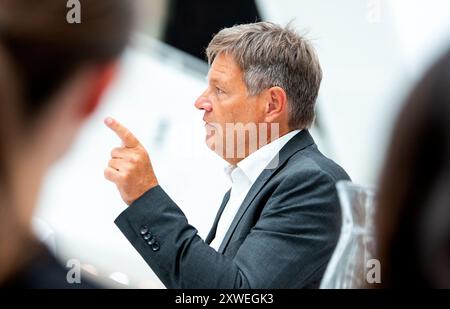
[278, 225]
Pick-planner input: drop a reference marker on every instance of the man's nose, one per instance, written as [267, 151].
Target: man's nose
[203, 103]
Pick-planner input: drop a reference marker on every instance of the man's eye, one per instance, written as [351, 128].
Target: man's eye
[219, 91]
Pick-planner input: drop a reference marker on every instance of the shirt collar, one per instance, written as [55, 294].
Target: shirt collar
[254, 164]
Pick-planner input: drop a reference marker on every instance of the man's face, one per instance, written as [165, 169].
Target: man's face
[226, 103]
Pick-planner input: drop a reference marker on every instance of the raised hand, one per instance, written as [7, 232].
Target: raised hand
[130, 167]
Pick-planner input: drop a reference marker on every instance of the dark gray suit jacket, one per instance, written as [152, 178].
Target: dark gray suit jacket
[282, 236]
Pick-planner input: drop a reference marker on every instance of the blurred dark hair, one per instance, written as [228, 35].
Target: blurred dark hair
[46, 49]
[8, 105]
[39, 52]
[413, 220]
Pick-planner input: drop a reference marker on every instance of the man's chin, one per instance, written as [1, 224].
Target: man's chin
[210, 142]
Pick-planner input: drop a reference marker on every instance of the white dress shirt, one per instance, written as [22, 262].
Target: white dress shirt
[242, 177]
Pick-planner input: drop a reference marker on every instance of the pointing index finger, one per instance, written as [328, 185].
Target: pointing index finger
[128, 139]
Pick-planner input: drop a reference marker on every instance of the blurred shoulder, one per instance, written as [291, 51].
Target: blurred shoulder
[45, 271]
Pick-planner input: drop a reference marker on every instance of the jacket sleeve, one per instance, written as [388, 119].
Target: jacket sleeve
[289, 246]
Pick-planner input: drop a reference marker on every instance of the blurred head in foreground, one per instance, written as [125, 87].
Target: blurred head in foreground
[52, 75]
[413, 220]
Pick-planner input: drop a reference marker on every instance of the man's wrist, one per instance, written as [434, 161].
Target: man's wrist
[150, 187]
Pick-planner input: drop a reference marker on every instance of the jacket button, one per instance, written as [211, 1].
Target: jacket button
[151, 242]
[144, 230]
[148, 236]
[155, 247]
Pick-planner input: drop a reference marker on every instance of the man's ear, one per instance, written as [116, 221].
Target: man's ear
[276, 104]
[105, 75]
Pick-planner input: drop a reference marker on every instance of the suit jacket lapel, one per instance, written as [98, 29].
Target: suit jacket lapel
[212, 232]
[300, 141]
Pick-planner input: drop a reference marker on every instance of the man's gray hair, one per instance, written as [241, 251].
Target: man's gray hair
[270, 55]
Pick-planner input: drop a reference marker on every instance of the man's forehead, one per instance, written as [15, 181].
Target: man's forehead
[214, 75]
[222, 68]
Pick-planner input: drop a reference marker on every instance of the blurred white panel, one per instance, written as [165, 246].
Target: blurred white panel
[423, 29]
[152, 16]
[154, 96]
